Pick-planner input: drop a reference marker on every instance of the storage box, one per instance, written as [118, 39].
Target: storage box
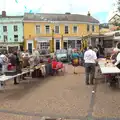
[10, 73]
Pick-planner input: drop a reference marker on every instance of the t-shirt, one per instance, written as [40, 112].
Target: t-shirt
[90, 56]
[75, 55]
[69, 51]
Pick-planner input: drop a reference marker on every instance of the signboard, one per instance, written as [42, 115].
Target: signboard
[43, 39]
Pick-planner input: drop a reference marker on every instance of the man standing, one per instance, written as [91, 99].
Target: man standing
[90, 63]
[1, 63]
[69, 54]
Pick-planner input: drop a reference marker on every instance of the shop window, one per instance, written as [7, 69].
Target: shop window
[107, 43]
[44, 45]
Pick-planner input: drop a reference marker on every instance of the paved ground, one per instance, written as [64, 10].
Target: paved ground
[59, 97]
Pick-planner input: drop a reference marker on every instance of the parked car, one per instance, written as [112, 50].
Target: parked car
[61, 55]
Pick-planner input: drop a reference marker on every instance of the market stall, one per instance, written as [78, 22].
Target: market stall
[109, 70]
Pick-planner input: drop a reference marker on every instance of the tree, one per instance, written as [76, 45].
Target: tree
[118, 5]
[117, 20]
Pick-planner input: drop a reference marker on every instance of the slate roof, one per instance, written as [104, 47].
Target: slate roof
[11, 16]
[59, 17]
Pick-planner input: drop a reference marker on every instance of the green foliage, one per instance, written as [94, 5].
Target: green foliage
[118, 28]
[118, 5]
[116, 21]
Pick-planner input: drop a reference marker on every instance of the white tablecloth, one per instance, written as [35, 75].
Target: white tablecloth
[109, 70]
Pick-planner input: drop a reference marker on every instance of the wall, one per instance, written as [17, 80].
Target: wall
[10, 22]
[29, 29]
[30, 33]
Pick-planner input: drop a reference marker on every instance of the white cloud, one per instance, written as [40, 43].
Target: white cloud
[57, 6]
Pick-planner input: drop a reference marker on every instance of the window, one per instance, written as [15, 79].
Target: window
[15, 28]
[44, 45]
[56, 29]
[66, 30]
[75, 29]
[37, 29]
[4, 28]
[93, 28]
[5, 38]
[47, 27]
[15, 38]
[88, 27]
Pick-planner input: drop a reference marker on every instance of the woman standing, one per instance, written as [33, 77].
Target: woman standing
[75, 59]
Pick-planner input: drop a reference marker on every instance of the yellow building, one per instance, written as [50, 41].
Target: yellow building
[57, 30]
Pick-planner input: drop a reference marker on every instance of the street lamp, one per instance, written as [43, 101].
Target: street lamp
[62, 43]
[52, 40]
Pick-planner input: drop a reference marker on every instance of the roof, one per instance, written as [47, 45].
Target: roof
[59, 17]
[11, 16]
[114, 17]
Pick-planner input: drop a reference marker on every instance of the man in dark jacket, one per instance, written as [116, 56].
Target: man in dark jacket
[14, 60]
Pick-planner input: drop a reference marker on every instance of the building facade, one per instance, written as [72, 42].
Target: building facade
[114, 23]
[11, 31]
[57, 30]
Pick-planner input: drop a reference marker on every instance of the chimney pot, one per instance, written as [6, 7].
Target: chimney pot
[3, 13]
[67, 13]
[88, 13]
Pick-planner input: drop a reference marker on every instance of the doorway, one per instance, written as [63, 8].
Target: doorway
[65, 45]
[57, 44]
[30, 47]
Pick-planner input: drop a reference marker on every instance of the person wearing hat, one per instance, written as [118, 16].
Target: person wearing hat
[90, 59]
[75, 59]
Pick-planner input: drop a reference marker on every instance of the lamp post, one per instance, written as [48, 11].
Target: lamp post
[52, 40]
[82, 47]
[62, 46]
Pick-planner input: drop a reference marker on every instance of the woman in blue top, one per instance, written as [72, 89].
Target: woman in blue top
[75, 59]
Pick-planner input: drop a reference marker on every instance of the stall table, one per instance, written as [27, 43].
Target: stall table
[108, 68]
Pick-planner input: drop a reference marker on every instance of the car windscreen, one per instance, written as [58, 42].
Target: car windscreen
[61, 52]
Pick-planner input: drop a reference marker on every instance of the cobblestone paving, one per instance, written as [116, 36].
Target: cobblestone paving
[107, 102]
[5, 116]
[65, 97]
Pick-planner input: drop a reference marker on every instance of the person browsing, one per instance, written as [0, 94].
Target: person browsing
[90, 58]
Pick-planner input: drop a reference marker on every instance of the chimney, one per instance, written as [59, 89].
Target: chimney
[3, 13]
[67, 13]
[88, 14]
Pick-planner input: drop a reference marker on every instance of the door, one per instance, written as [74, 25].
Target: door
[71, 43]
[30, 47]
[57, 44]
[65, 45]
[78, 44]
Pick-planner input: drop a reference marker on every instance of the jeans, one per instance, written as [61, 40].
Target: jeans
[0, 67]
[69, 58]
[90, 72]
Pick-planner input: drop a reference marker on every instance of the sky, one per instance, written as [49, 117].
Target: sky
[99, 9]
